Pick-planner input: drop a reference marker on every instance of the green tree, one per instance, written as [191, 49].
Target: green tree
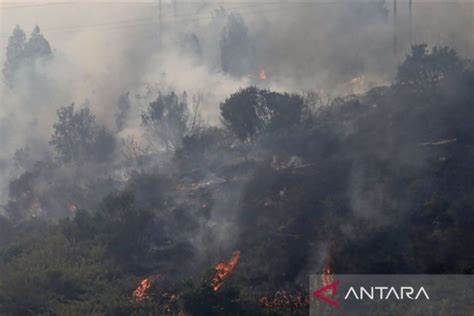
[252, 111]
[77, 136]
[16, 45]
[237, 50]
[37, 46]
[423, 68]
[21, 53]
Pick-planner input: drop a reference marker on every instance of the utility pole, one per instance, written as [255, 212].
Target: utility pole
[175, 13]
[472, 26]
[395, 29]
[160, 22]
[410, 22]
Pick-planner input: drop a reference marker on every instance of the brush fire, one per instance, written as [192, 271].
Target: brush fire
[284, 301]
[140, 293]
[223, 271]
[327, 277]
[262, 75]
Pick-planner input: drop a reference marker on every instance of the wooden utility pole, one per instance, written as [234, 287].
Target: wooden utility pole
[472, 27]
[175, 13]
[410, 22]
[160, 22]
[395, 28]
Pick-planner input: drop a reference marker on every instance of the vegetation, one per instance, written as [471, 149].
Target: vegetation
[21, 54]
[375, 183]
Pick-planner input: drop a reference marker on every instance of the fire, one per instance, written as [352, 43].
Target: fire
[327, 277]
[139, 295]
[262, 75]
[223, 271]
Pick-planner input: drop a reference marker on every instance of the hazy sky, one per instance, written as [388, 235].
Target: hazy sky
[60, 20]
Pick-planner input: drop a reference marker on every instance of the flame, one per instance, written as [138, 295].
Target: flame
[262, 75]
[139, 295]
[223, 271]
[327, 277]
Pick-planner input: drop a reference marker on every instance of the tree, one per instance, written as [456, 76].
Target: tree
[20, 52]
[423, 68]
[169, 118]
[192, 46]
[237, 51]
[37, 46]
[251, 111]
[123, 105]
[77, 136]
[16, 45]
[203, 150]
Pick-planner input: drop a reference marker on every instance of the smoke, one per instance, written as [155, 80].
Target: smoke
[105, 51]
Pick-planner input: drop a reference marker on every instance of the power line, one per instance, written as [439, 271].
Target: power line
[149, 21]
[153, 34]
[35, 5]
[49, 4]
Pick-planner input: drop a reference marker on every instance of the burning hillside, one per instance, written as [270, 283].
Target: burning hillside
[141, 292]
[208, 159]
[223, 271]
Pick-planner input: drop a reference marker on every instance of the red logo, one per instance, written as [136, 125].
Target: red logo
[328, 299]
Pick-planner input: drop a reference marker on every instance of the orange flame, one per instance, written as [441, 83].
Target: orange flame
[328, 275]
[139, 295]
[262, 75]
[223, 271]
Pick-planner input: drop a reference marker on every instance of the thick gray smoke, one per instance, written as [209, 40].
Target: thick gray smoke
[102, 52]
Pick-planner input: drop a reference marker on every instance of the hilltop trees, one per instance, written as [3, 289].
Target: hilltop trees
[16, 45]
[424, 68]
[237, 50]
[37, 46]
[22, 53]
